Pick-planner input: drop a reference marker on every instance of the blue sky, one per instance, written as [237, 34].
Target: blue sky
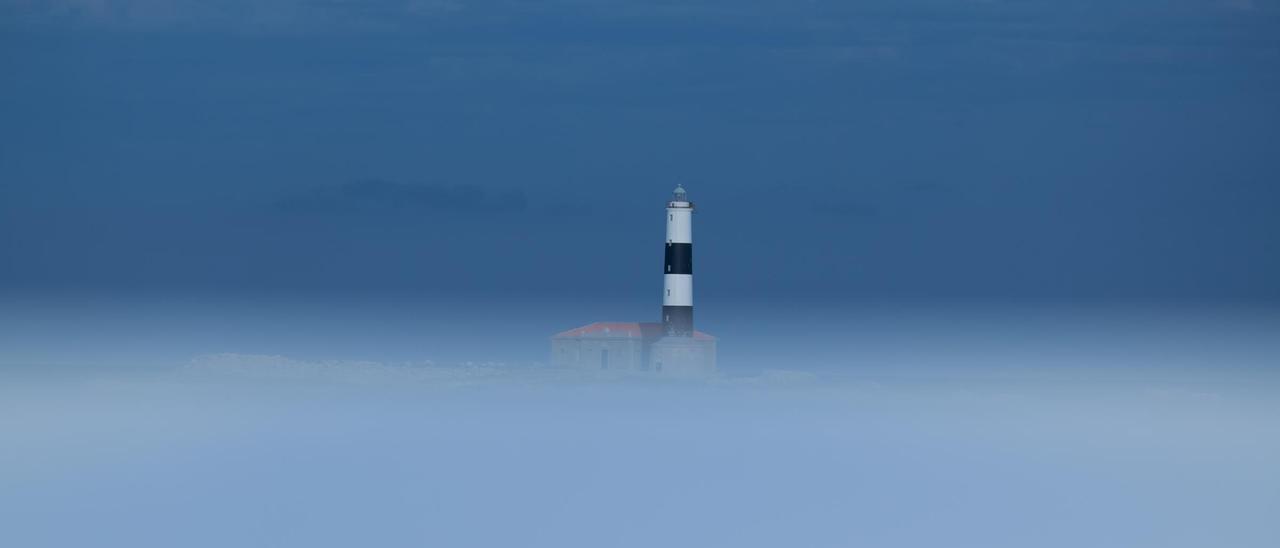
[905, 151]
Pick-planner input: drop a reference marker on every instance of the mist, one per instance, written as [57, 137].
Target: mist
[313, 423]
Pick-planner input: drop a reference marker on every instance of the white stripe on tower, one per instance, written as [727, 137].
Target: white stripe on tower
[677, 279]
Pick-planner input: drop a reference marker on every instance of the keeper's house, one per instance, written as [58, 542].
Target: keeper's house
[632, 346]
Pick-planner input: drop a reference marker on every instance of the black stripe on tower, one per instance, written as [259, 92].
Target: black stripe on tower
[679, 259]
[678, 321]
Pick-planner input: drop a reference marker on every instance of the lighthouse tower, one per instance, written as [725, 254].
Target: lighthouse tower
[681, 350]
[677, 275]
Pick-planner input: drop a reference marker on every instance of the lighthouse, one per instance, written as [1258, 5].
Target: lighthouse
[670, 347]
[677, 275]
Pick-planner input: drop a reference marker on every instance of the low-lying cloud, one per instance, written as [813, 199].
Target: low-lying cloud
[387, 198]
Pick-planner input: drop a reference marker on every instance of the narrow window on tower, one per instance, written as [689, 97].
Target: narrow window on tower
[671, 217]
[668, 268]
[668, 292]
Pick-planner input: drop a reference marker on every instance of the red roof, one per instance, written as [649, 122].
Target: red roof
[638, 330]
